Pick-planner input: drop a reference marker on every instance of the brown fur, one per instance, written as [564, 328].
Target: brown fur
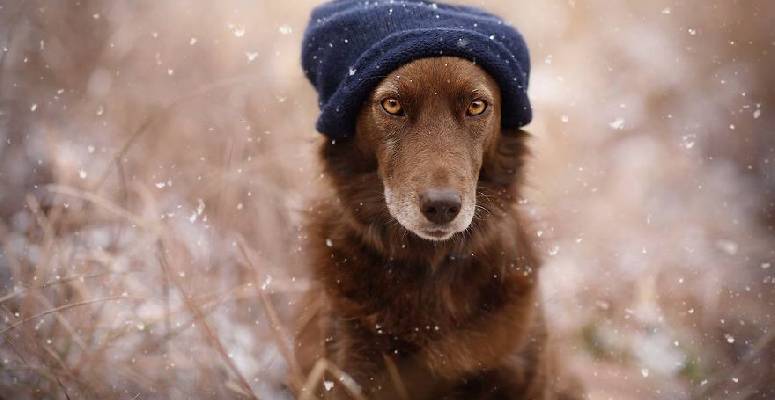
[459, 318]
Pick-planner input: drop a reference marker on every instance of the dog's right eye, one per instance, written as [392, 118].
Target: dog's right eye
[392, 106]
[477, 107]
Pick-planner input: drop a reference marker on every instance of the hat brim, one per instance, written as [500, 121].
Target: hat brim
[402, 47]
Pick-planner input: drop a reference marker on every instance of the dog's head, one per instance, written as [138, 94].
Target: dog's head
[430, 125]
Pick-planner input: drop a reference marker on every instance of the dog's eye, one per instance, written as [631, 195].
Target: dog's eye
[477, 107]
[392, 106]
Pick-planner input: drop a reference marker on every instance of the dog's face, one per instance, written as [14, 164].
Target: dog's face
[429, 125]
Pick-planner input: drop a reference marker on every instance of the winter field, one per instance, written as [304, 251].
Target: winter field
[156, 156]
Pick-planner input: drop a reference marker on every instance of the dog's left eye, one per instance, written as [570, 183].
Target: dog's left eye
[392, 106]
[477, 107]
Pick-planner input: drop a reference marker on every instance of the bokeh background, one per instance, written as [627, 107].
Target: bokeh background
[155, 158]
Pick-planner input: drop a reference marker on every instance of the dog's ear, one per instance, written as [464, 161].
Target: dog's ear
[505, 158]
[344, 158]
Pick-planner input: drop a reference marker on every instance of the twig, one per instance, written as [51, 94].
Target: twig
[167, 310]
[153, 119]
[58, 309]
[721, 376]
[104, 203]
[316, 375]
[205, 327]
[76, 336]
[46, 374]
[395, 378]
[278, 333]
[48, 284]
[124, 149]
[64, 389]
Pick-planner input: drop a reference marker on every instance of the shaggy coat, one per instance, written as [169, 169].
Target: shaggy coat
[407, 317]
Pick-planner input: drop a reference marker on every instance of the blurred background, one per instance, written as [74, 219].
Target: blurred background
[155, 158]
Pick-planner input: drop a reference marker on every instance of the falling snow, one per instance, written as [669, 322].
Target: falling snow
[656, 240]
[238, 30]
[617, 124]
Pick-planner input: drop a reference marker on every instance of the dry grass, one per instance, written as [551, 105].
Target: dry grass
[156, 157]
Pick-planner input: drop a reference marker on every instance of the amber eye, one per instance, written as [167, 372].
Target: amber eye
[392, 106]
[477, 107]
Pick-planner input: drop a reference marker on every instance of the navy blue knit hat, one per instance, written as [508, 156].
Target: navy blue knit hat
[351, 45]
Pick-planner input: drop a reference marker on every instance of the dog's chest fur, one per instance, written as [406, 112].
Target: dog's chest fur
[419, 294]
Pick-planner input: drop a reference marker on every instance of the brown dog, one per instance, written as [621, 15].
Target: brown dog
[427, 275]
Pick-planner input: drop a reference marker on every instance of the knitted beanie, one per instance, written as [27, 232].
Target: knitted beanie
[351, 45]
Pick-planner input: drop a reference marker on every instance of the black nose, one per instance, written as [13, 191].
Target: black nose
[440, 206]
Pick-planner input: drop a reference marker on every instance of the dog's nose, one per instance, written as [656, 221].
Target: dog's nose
[440, 206]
